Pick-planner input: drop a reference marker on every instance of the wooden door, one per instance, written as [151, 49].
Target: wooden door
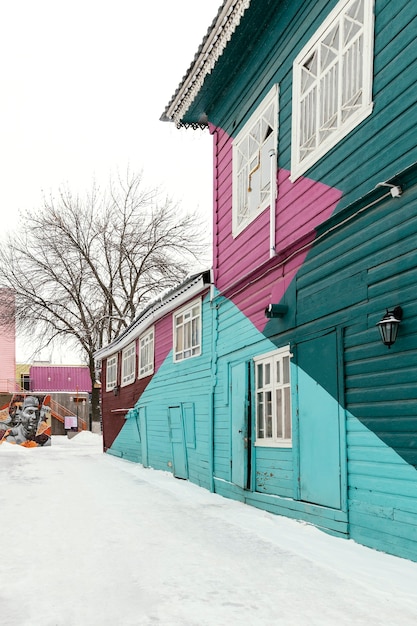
[319, 422]
[240, 435]
[179, 450]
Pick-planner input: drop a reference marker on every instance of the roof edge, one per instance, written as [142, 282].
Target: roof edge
[214, 43]
[173, 299]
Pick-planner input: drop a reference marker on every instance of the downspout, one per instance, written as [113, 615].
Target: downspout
[272, 200]
[214, 340]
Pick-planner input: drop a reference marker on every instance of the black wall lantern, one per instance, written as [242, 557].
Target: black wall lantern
[388, 326]
[275, 310]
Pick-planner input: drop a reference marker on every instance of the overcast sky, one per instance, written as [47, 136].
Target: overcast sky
[83, 85]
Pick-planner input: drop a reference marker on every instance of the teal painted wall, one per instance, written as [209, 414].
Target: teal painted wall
[187, 385]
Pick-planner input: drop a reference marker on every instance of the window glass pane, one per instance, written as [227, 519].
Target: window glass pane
[268, 414]
[287, 416]
[267, 373]
[280, 430]
[260, 415]
[260, 380]
[180, 341]
[286, 370]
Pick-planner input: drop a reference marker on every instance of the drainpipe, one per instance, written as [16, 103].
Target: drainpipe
[214, 340]
[272, 199]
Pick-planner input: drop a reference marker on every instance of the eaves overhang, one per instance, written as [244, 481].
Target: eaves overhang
[212, 47]
[169, 301]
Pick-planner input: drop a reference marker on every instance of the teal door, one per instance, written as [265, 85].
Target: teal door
[319, 422]
[179, 451]
[143, 438]
[240, 425]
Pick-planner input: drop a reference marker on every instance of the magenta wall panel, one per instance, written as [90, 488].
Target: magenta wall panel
[247, 276]
[60, 378]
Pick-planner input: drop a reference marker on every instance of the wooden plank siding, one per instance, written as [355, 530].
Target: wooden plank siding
[188, 382]
[344, 281]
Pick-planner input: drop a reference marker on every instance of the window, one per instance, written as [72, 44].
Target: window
[252, 162]
[273, 399]
[332, 83]
[25, 382]
[187, 332]
[128, 364]
[146, 354]
[111, 373]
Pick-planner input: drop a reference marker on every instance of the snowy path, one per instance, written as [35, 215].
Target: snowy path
[90, 540]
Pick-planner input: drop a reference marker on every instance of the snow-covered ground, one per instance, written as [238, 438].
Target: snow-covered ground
[92, 540]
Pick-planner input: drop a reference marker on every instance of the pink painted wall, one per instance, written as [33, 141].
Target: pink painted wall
[243, 270]
[7, 342]
[60, 378]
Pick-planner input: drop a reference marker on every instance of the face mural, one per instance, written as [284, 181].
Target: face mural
[26, 421]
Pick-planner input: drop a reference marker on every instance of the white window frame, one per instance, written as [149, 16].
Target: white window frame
[128, 364]
[111, 372]
[146, 353]
[187, 333]
[273, 399]
[252, 163]
[321, 118]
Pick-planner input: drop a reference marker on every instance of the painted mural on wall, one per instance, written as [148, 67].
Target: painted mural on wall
[26, 421]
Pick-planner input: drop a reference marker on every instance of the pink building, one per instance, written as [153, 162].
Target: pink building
[7, 341]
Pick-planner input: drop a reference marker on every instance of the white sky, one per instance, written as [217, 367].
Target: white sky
[83, 85]
[93, 540]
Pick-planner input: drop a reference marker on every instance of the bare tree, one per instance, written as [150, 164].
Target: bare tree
[82, 268]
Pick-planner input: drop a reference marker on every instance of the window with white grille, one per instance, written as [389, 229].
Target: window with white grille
[332, 83]
[146, 354]
[128, 364]
[187, 331]
[273, 399]
[111, 373]
[252, 162]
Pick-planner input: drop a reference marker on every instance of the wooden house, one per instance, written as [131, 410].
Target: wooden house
[156, 384]
[312, 107]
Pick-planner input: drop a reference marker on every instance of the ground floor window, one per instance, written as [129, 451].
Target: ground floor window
[273, 398]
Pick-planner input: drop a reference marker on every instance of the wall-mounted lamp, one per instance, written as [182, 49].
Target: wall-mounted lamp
[388, 326]
[275, 310]
[116, 390]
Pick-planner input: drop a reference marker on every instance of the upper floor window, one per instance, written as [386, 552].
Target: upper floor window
[187, 331]
[128, 364]
[111, 373]
[332, 83]
[146, 354]
[252, 162]
[273, 399]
